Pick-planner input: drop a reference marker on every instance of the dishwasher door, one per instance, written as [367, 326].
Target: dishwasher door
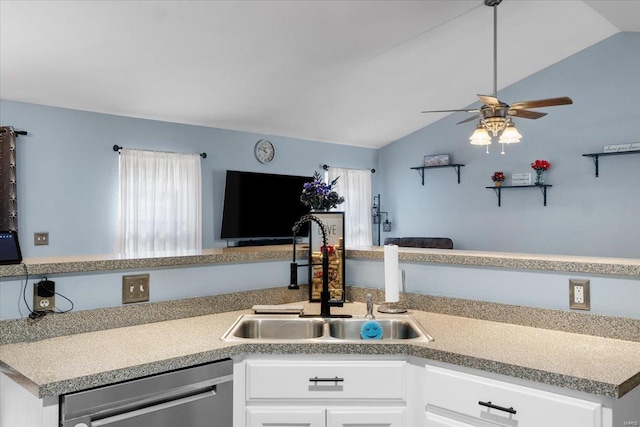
[196, 397]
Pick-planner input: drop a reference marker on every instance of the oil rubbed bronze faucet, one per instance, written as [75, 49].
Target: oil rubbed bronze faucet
[325, 303]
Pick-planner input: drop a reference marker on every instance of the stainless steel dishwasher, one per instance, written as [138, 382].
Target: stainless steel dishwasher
[194, 397]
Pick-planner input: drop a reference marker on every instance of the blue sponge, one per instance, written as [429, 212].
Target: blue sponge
[371, 330]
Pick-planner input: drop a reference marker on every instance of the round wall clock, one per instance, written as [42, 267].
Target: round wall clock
[264, 151]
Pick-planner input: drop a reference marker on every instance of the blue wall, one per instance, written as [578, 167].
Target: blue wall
[68, 171]
[584, 215]
[67, 184]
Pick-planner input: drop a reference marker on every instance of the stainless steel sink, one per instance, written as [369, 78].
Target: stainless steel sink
[392, 329]
[276, 327]
[257, 327]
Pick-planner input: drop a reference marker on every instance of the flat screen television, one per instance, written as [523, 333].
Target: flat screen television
[262, 206]
[9, 248]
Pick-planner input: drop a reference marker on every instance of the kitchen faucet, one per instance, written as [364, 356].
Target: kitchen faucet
[325, 303]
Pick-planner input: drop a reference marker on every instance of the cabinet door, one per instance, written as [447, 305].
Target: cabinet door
[500, 402]
[366, 417]
[434, 420]
[285, 416]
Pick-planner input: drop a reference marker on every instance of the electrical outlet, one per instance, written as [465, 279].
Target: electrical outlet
[44, 296]
[135, 288]
[41, 238]
[579, 294]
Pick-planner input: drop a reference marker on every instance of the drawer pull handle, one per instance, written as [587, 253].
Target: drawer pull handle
[326, 380]
[499, 408]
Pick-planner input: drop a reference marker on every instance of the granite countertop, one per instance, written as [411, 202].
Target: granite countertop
[99, 358]
[92, 263]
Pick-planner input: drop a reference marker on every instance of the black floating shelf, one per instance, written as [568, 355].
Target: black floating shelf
[456, 166]
[596, 156]
[542, 188]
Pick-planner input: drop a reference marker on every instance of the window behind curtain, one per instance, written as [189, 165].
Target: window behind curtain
[355, 186]
[160, 206]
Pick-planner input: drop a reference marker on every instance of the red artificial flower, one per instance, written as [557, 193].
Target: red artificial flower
[541, 165]
[497, 176]
[329, 249]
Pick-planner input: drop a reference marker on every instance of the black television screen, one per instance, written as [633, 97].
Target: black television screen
[9, 248]
[262, 205]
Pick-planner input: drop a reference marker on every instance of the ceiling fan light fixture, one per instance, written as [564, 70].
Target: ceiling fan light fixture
[480, 136]
[510, 134]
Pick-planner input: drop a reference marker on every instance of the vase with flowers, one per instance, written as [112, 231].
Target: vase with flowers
[497, 178]
[540, 166]
[320, 196]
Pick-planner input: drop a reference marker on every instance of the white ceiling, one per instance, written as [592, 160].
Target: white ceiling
[348, 72]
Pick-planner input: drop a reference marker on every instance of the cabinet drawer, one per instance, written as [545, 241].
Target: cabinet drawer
[326, 380]
[462, 393]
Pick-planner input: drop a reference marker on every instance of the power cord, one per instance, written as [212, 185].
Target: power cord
[26, 273]
[70, 302]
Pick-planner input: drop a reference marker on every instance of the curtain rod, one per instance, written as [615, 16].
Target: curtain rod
[118, 148]
[326, 167]
[18, 132]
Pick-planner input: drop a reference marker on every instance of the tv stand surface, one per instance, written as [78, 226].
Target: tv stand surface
[264, 242]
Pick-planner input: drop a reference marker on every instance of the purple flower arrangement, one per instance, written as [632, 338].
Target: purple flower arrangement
[319, 195]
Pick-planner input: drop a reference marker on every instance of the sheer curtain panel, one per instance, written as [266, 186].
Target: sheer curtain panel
[355, 186]
[160, 202]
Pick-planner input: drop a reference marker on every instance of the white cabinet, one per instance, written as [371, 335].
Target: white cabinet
[18, 407]
[285, 416]
[314, 392]
[366, 417]
[320, 416]
[435, 420]
[457, 399]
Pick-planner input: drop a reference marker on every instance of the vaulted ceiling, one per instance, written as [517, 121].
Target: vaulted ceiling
[347, 72]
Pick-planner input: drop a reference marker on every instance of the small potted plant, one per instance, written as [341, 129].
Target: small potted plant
[540, 166]
[497, 178]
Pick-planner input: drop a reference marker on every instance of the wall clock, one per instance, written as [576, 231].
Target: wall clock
[264, 151]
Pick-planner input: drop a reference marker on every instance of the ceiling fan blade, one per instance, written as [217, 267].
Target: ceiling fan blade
[475, 110]
[489, 100]
[469, 119]
[526, 114]
[551, 102]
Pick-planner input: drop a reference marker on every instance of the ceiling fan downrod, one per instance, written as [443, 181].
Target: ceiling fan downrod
[494, 4]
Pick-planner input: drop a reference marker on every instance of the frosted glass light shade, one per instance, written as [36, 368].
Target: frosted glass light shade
[480, 137]
[510, 135]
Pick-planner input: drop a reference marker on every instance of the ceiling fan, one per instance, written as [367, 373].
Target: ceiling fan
[495, 115]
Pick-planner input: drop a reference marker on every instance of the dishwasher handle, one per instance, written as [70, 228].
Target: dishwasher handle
[109, 421]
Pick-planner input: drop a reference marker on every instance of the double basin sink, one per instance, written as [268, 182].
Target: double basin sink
[317, 329]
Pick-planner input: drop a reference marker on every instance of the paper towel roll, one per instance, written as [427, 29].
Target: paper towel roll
[391, 274]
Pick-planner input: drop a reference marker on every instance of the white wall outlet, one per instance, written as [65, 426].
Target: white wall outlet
[579, 294]
[44, 296]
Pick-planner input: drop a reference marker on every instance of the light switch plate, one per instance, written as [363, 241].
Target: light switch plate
[41, 238]
[135, 288]
[579, 294]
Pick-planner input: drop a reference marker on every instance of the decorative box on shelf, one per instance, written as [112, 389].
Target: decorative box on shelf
[436, 160]
[520, 179]
[635, 146]
[334, 225]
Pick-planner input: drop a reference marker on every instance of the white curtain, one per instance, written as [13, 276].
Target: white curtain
[355, 186]
[160, 205]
